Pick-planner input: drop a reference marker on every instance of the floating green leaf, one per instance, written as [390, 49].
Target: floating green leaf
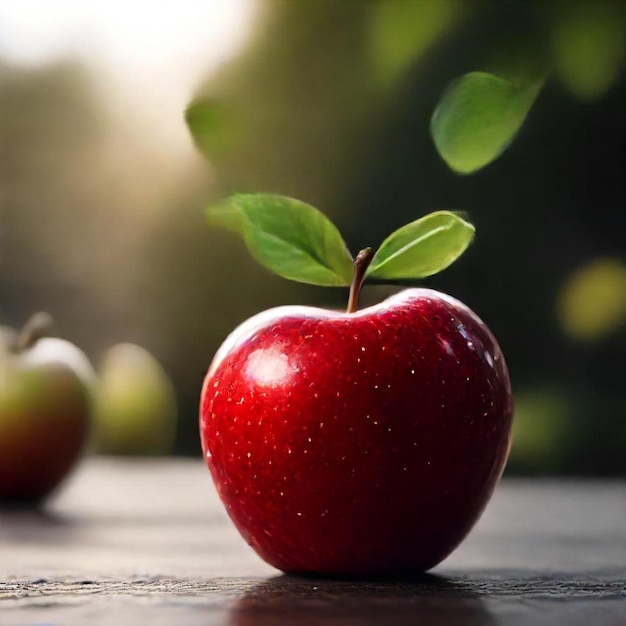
[289, 237]
[422, 248]
[478, 117]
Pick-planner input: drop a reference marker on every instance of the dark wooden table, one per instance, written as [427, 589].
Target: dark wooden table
[147, 542]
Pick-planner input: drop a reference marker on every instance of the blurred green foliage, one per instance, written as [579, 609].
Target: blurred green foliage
[588, 45]
[592, 301]
[327, 105]
[400, 31]
[542, 430]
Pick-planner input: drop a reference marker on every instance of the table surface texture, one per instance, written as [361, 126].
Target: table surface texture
[148, 542]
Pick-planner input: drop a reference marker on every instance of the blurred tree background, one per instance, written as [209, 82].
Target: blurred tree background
[101, 219]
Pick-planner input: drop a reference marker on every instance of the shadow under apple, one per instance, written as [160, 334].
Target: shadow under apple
[426, 600]
[27, 525]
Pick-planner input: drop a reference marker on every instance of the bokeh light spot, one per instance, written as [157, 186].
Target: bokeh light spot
[592, 302]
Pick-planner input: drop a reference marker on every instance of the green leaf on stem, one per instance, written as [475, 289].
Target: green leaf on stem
[478, 117]
[422, 248]
[289, 237]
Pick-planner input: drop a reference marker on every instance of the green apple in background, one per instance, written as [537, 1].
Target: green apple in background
[46, 387]
[136, 411]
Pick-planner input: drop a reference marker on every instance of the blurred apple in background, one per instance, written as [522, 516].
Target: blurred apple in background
[136, 410]
[46, 387]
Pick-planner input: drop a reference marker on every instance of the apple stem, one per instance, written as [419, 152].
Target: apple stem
[361, 263]
[34, 329]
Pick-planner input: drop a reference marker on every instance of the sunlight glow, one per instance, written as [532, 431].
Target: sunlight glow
[147, 56]
[127, 34]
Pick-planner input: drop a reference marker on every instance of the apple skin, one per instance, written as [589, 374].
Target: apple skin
[45, 404]
[361, 444]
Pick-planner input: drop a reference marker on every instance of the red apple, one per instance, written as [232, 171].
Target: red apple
[361, 443]
[358, 443]
[45, 402]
